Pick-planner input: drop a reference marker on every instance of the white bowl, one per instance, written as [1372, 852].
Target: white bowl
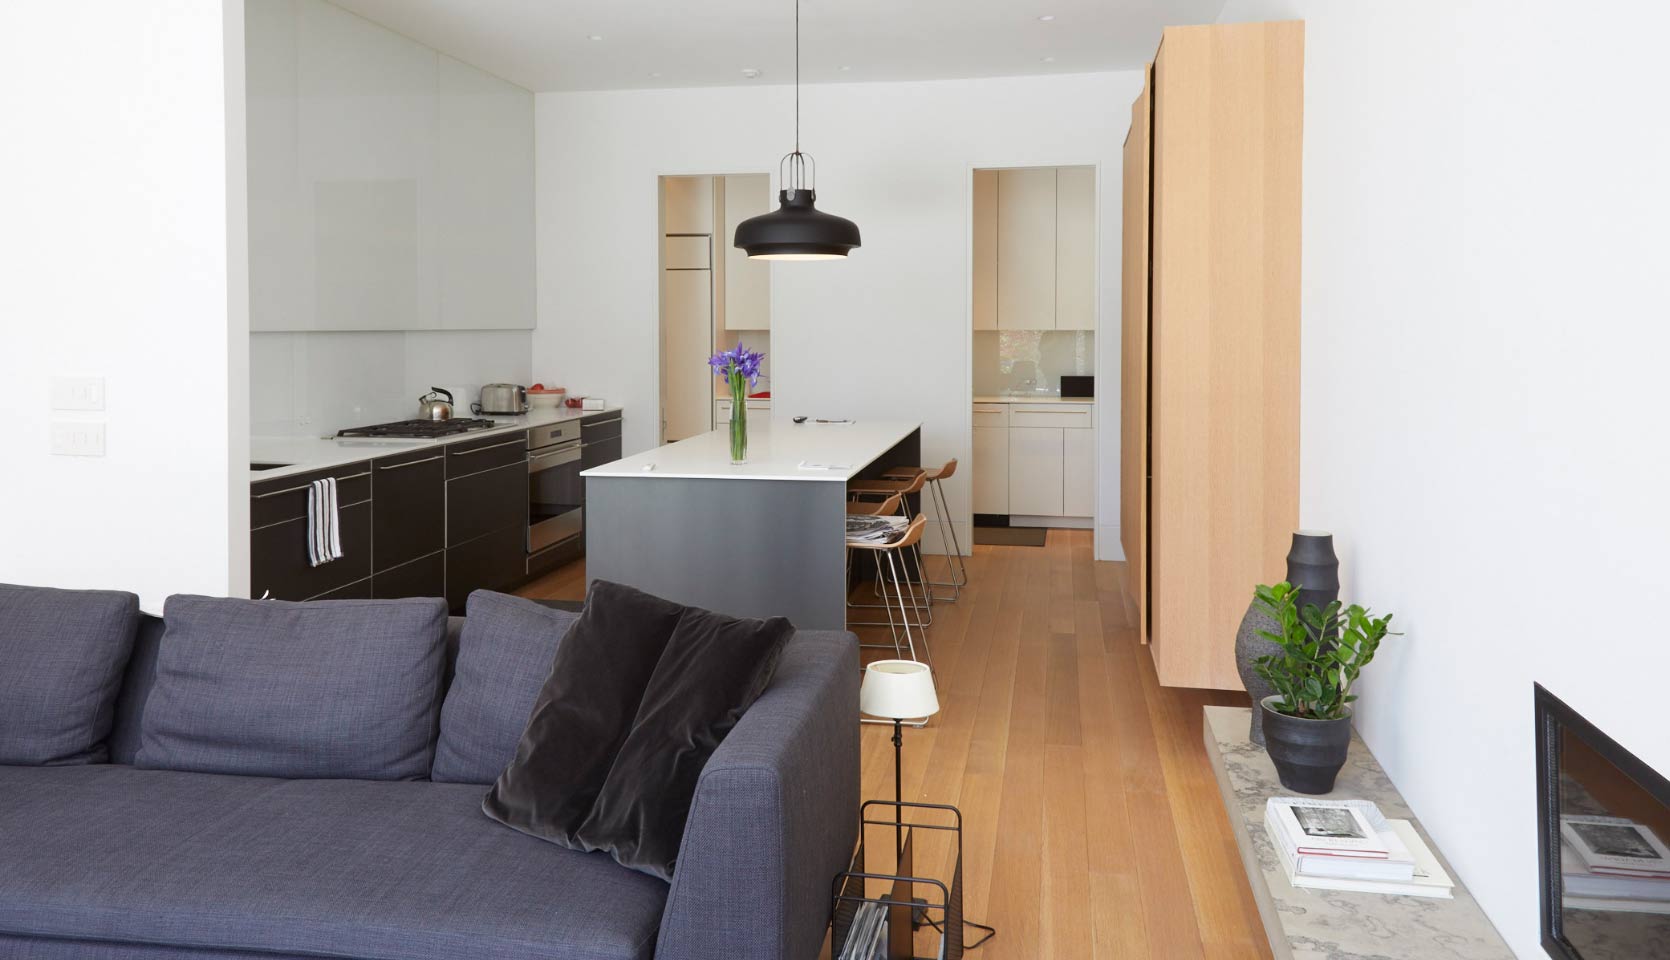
[545, 401]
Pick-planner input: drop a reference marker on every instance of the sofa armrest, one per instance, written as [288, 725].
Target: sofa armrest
[774, 818]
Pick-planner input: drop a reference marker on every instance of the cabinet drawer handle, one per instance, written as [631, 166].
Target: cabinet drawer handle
[494, 446]
[409, 463]
[280, 493]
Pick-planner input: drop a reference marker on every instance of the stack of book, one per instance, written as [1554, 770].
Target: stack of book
[864, 529]
[1350, 845]
[1614, 864]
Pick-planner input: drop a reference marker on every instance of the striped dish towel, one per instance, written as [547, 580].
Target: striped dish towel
[324, 535]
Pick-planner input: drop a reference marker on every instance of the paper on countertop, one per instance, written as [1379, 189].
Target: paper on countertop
[809, 465]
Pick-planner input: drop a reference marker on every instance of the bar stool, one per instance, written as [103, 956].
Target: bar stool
[894, 553]
[902, 486]
[956, 572]
[920, 604]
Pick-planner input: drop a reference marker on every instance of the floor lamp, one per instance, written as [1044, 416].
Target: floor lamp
[898, 690]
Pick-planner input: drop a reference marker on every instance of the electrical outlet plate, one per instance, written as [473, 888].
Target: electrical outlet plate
[74, 438]
[78, 393]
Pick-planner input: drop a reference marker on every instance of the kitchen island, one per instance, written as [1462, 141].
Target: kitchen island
[759, 539]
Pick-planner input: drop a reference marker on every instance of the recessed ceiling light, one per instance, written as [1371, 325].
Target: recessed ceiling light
[595, 37]
[1046, 18]
[1047, 59]
[655, 76]
[844, 69]
[751, 73]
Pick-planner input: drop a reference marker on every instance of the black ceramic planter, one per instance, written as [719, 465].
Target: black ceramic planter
[1308, 754]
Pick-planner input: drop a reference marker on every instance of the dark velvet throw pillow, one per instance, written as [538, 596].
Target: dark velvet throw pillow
[713, 670]
[583, 713]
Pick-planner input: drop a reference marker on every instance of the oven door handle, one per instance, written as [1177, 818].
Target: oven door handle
[549, 460]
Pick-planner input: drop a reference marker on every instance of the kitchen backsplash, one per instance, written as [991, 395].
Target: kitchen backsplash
[1011, 362]
[313, 384]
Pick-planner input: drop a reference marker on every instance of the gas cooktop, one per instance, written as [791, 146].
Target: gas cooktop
[418, 429]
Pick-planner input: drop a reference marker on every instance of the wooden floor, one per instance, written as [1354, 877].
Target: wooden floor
[1093, 825]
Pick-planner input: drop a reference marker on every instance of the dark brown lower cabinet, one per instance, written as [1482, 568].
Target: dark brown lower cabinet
[482, 503]
[423, 577]
[278, 565]
[492, 561]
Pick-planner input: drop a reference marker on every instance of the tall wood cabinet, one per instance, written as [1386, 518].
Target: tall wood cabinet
[1210, 404]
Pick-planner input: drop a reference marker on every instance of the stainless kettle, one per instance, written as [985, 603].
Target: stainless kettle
[435, 405]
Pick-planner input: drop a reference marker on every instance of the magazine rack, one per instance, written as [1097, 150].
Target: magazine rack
[911, 901]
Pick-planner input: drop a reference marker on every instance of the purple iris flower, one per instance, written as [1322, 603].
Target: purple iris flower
[739, 360]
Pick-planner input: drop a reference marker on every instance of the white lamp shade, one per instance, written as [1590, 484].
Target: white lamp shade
[898, 690]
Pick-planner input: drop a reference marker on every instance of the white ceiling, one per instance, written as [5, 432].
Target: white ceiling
[546, 44]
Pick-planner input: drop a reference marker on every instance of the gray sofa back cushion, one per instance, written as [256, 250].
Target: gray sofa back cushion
[62, 653]
[323, 689]
[504, 657]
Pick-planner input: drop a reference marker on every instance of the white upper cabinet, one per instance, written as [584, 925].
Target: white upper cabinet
[485, 200]
[1034, 249]
[389, 188]
[1075, 248]
[747, 282]
[1026, 249]
[985, 250]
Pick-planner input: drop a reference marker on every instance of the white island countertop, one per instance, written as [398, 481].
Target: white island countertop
[778, 449]
[1022, 398]
[302, 454]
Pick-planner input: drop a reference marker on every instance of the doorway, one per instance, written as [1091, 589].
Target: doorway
[712, 296]
[1034, 316]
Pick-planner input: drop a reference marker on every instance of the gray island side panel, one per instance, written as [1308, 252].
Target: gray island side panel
[749, 548]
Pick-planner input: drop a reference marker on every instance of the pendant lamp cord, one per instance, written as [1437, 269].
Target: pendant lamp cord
[796, 76]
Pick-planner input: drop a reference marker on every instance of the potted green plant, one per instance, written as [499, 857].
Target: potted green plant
[1307, 721]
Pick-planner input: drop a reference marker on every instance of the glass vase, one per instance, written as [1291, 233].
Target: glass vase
[739, 427]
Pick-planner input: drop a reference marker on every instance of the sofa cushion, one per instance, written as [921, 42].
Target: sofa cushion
[334, 688]
[504, 658]
[328, 868]
[714, 668]
[61, 659]
[583, 713]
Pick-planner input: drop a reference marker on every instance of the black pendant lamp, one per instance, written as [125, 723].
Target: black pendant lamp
[797, 230]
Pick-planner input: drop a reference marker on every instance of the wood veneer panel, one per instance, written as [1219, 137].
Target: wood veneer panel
[1133, 357]
[1225, 335]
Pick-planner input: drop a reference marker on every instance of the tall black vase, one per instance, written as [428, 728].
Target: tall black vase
[1312, 565]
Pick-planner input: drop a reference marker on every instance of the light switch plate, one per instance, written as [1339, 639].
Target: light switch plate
[78, 393]
[75, 438]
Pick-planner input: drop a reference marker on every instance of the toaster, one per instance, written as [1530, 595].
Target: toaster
[503, 398]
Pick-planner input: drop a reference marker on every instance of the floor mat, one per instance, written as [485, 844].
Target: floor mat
[1011, 536]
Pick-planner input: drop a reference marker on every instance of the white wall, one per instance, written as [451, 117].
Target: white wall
[1483, 393]
[883, 334]
[316, 383]
[123, 197]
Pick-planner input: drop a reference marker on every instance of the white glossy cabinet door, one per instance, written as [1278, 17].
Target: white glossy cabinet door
[366, 112]
[1075, 249]
[985, 249]
[747, 282]
[485, 200]
[280, 276]
[1035, 471]
[1026, 249]
[1078, 469]
[990, 476]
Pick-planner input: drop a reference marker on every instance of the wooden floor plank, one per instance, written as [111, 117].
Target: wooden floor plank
[1093, 827]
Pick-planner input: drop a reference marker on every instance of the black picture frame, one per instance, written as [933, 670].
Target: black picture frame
[1552, 717]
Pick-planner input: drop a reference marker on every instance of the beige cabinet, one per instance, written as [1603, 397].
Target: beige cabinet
[985, 249]
[747, 283]
[1075, 248]
[1078, 473]
[1220, 337]
[1035, 471]
[990, 474]
[1026, 249]
[687, 205]
[686, 306]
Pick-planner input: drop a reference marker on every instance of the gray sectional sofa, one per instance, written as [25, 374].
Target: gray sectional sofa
[109, 861]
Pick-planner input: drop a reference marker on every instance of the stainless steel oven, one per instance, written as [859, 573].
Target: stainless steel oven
[556, 491]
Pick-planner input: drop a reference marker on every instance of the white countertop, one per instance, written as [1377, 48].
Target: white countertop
[1039, 399]
[778, 449]
[317, 453]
